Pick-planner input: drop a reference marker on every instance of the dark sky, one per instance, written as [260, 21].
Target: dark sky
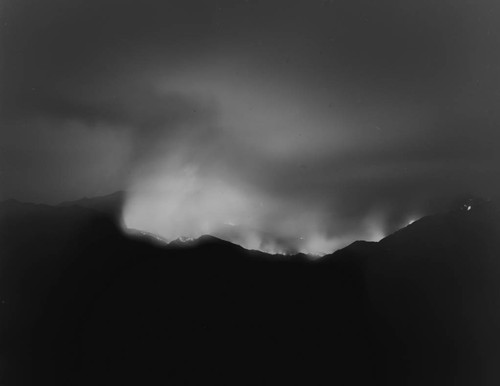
[318, 120]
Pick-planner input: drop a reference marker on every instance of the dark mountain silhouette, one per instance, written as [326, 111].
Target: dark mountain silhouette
[110, 204]
[84, 303]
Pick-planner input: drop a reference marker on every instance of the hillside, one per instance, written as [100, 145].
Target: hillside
[83, 303]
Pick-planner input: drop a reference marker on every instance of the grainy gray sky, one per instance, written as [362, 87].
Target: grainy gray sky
[320, 120]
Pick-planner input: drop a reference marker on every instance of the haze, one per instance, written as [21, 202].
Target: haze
[283, 126]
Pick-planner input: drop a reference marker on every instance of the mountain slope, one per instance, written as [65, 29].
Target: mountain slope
[435, 287]
[87, 304]
[110, 204]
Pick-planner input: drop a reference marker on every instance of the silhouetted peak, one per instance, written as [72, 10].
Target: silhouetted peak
[209, 239]
[110, 204]
[116, 196]
[204, 240]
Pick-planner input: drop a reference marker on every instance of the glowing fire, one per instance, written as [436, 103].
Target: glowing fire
[184, 200]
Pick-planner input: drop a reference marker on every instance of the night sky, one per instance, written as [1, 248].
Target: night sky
[304, 124]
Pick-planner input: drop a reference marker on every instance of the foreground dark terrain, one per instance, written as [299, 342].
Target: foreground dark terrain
[82, 303]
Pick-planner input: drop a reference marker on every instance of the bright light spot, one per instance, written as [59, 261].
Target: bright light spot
[412, 220]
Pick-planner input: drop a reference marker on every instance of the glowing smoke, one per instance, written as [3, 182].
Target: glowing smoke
[305, 126]
[228, 176]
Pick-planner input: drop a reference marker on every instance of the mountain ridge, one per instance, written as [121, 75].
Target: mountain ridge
[87, 303]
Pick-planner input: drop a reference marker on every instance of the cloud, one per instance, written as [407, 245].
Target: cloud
[308, 124]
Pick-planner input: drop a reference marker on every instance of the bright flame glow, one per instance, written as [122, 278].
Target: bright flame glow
[238, 175]
[183, 200]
